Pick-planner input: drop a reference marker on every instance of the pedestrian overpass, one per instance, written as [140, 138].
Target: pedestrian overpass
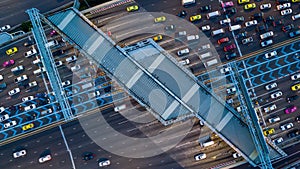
[169, 91]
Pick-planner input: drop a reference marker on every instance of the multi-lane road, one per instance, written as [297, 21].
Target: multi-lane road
[183, 158]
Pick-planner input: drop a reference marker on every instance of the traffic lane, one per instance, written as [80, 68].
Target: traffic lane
[13, 12]
[80, 143]
[36, 145]
[292, 155]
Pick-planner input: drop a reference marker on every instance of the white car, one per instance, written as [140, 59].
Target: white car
[231, 90]
[30, 53]
[266, 35]
[277, 141]
[192, 37]
[270, 108]
[182, 33]
[14, 91]
[283, 6]
[32, 84]
[119, 108]
[104, 162]
[45, 158]
[94, 94]
[66, 83]
[200, 156]
[271, 86]
[10, 124]
[48, 111]
[184, 62]
[37, 61]
[276, 94]
[20, 153]
[71, 59]
[295, 77]
[28, 98]
[21, 78]
[225, 70]
[225, 21]
[30, 107]
[183, 52]
[266, 43]
[236, 155]
[58, 63]
[274, 119]
[265, 6]
[271, 54]
[2, 109]
[251, 23]
[17, 69]
[1, 77]
[5, 28]
[286, 12]
[4, 117]
[286, 126]
[205, 28]
[75, 68]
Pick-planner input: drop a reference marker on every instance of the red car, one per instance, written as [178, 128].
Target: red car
[8, 63]
[227, 4]
[229, 47]
[223, 40]
[290, 109]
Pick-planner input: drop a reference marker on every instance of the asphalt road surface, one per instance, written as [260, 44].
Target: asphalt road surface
[12, 12]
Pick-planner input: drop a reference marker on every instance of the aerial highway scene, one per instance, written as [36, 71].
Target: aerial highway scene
[150, 84]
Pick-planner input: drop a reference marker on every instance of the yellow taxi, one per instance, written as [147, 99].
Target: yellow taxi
[269, 131]
[12, 51]
[132, 8]
[195, 18]
[250, 6]
[243, 1]
[157, 38]
[296, 87]
[295, 0]
[160, 19]
[28, 126]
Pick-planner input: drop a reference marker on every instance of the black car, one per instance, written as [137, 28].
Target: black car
[239, 19]
[292, 98]
[287, 28]
[262, 28]
[88, 156]
[269, 19]
[230, 11]
[230, 56]
[257, 16]
[293, 133]
[282, 1]
[276, 23]
[29, 43]
[3, 86]
[182, 13]
[205, 8]
[241, 35]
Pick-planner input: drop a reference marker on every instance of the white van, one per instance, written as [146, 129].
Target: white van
[235, 27]
[51, 44]
[121, 107]
[213, 14]
[206, 144]
[217, 32]
[295, 17]
[210, 63]
[206, 55]
[88, 85]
